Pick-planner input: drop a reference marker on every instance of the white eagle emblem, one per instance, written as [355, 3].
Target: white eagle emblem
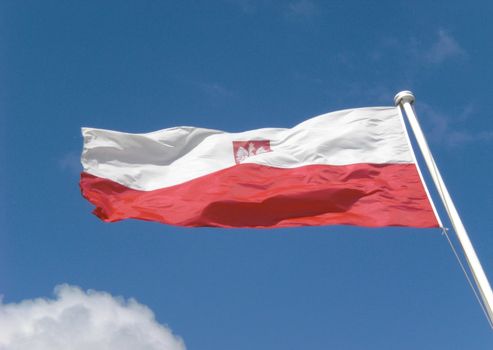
[245, 149]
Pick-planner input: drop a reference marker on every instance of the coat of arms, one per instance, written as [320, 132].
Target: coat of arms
[244, 149]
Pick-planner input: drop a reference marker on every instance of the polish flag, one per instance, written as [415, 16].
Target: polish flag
[351, 167]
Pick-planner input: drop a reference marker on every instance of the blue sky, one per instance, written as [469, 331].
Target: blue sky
[139, 66]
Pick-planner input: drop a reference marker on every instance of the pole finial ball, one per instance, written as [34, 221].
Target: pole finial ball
[403, 97]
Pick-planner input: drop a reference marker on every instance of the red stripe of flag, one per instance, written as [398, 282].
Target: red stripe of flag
[252, 195]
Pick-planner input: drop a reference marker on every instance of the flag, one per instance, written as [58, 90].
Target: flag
[350, 167]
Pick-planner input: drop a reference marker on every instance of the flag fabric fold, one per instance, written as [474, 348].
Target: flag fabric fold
[351, 167]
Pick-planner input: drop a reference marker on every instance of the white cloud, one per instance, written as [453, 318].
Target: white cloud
[78, 320]
[451, 130]
[70, 162]
[412, 54]
[444, 47]
[215, 90]
[301, 8]
[247, 6]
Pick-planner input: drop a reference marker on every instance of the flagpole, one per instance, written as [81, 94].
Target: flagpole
[405, 99]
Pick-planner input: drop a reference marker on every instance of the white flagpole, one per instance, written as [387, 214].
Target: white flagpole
[405, 99]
